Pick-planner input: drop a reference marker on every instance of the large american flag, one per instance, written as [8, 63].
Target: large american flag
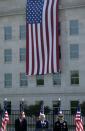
[42, 50]
[5, 120]
[78, 121]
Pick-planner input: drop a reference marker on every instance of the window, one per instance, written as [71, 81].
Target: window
[57, 79]
[73, 106]
[22, 54]
[74, 51]
[74, 27]
[8, 33]
[7, 55]
[59, 2]
[74, 77]
[56, 106]
[8, 80]
[22, 32]
[40, 80]
[23, 80]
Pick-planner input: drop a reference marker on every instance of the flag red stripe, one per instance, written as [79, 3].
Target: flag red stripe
[42, 48]
[52, 27]
[79, 125]
[57, 38]
[47, 35]
[38, 63]
[32, 49]
[27, 49]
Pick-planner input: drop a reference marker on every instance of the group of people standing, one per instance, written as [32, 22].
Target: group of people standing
[41, 123]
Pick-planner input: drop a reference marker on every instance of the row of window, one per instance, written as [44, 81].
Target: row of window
[8, 32]
[73, 30]
[40, 79]
[73, 105]
[8, 55]
[73, 27]
[74, 53]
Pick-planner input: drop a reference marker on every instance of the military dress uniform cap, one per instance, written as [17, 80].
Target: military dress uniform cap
[42, 114]
[60, 114]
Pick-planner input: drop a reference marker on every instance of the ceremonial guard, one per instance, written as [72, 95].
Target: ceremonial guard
[60, 124]
[42, 123]
[21, 123]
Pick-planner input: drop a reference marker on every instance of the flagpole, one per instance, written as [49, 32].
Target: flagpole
[59, 100]
[58, 109]
[5, 104]
[22, 105]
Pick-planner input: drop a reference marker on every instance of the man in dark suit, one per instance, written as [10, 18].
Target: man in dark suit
[60, 124]
[21, 123]
[42, 124]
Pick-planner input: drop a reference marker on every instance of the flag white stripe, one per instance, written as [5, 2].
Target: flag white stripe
[30, 50]
[54, 47]
[44, 36]
[50, 34]
[81, 125]
[35, 51]
[40, 51]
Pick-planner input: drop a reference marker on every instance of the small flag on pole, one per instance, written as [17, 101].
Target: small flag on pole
[78, 120]
[5, 120]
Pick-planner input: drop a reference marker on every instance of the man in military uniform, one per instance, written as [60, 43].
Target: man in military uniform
[60, 124]
[42, 123]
